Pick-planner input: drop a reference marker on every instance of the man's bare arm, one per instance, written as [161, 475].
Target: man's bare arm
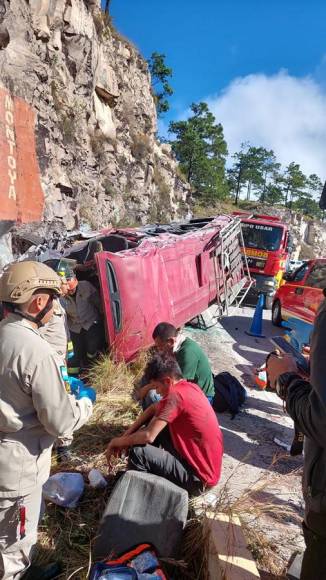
[140, 437]
[143, 419]
[141, 392]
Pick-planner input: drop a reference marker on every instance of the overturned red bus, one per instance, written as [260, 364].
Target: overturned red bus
[162, 273]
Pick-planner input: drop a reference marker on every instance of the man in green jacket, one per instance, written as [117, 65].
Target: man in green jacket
[192, 360]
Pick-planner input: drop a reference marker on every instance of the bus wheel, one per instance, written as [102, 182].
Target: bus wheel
[268, 302]
[276, 313]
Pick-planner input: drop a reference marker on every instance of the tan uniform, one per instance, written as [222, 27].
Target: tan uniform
[35, 409]
[56, 331]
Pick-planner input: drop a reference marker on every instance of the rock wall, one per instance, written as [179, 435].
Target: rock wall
[309, 236]
[96, 126]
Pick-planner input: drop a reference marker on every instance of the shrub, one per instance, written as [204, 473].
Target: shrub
[108, 188]
[141, 145]
[180, 174]
[162, 186]
[67, 126]
[103, 24]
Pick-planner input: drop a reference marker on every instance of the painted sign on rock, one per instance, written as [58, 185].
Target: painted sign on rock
[21, 195]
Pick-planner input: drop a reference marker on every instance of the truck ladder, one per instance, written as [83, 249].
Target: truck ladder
[225, 296]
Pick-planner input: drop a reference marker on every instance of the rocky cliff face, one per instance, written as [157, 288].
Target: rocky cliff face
[99, 159]
[309, 236]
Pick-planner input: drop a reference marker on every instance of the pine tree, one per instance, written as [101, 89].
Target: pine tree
[161, 88]
[201, 150]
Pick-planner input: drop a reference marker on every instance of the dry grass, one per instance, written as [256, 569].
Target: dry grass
[67, 535]
[141, 145]
[250, 507]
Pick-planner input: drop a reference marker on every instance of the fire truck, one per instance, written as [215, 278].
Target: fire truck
[267, 246]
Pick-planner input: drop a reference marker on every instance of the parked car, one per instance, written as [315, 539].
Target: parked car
[293, 265]
[297, 301]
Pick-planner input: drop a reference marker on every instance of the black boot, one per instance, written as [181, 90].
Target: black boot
[64, 454]
[297, 443]
[47, 572]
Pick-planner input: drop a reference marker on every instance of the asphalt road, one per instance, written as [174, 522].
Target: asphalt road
[251, 455]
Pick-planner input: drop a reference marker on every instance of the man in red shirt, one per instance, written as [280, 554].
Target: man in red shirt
[191, 448]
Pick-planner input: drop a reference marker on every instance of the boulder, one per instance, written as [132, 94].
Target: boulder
[104, 118]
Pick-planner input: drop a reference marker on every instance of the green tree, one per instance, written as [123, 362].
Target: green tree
[270, 175]
[256, 169]
[273, 193]
[160, 74]
[252, 167]
[314, 185]
[294, 183]
[237, 173]
[201, 150]
[306, 203]
[107, 6]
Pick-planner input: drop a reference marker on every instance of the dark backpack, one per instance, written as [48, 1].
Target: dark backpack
[229, 394]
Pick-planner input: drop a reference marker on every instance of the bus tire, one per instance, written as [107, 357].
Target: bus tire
[268, 302]
[276, 313]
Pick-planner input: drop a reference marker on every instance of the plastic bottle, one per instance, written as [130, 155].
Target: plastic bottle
[96, 478]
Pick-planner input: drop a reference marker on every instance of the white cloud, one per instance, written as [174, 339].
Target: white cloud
[279, 112]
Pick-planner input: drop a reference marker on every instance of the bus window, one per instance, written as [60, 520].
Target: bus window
[262, 237]
[114, 296]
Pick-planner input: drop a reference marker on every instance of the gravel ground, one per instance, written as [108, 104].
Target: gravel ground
[250, 451]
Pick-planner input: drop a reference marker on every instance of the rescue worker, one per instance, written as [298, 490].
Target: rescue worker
[83, 307]
[35, 409]
[56, 333]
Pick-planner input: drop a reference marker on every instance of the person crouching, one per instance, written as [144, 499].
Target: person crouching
[179, 437]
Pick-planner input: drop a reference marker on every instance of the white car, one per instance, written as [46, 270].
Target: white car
[293, 265]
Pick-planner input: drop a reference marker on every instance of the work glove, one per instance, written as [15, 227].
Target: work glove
[75, 385]
[88, 392]
[80, 390]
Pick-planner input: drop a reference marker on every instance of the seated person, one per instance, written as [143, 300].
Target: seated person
[191, 447]
[192, 360]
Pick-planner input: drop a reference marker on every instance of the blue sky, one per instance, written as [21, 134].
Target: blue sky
[242, 56]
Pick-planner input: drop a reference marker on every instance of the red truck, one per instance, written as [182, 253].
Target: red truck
[267, 245]
[298, 300]
[162, 273]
